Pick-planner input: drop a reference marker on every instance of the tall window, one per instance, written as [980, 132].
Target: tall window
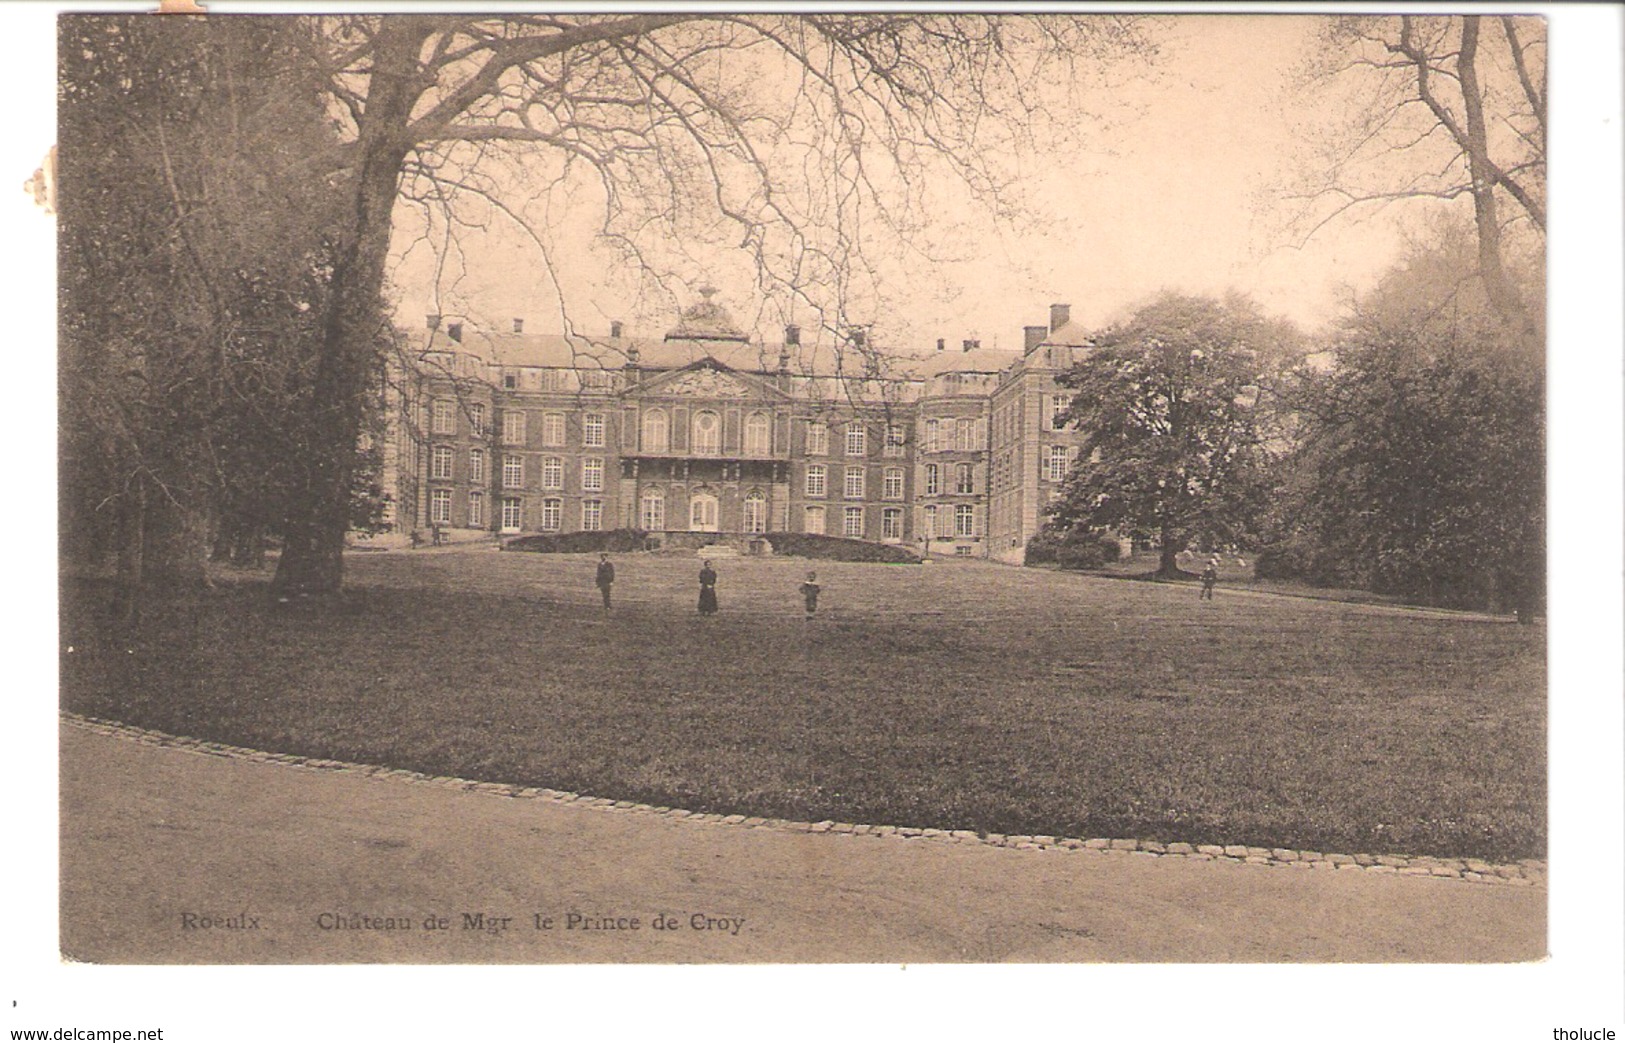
[964, 479]
[815, 479]
[817, 438]
[653, 514]
[443, 417]
[476, 510]
[511, 513]
[894, 440]
[964, 520]
[707, 433]
[852, 522]
[592, 430]
[476, 419]
[892, 486]
[513, 472]
[933, 480]
[854, 483]
[1059, 457]
[592, 515]
[891, 523]
[656, 431]
[513, 427]
[933, 436]
[592, 474]
[1060, 405]
[552, 514]
[964, 435]
[930, 522]
[755, 512]
[552, 472]
[812, 520]
[758, 435]
[476, 465]
[857, 439]
[553, 429]
[440, 462]
[440, 506]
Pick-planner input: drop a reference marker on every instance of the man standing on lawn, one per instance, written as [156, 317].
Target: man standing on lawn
[1210, 578]
[606, 579]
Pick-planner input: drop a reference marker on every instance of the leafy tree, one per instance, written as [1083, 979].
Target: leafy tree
[1422, 466]
[806, 141]
[195, 259]
[1173, 403]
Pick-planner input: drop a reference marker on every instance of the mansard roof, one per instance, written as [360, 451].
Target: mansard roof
[1071, 335]
[555, 351]
[976, 360]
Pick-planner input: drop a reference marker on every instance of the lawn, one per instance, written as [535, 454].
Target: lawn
[958, 695]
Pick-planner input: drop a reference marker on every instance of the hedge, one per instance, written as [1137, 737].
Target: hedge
[835, 548]
[608, 541]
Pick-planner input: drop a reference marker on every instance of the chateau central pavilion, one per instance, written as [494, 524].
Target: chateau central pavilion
[705, 431]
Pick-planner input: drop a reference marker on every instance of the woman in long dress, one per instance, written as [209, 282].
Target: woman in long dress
[708, 589]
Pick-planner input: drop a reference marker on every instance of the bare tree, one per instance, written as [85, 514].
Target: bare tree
[808, 142]
[1443, 108]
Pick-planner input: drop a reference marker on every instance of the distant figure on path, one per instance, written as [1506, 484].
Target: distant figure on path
[809, 590]
[708, 589]
[606, 578]
[1210, 579]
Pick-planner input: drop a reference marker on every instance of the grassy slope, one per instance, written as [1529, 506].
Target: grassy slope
[957, 695]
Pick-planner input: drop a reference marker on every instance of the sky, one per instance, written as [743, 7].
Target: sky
[1186, 194]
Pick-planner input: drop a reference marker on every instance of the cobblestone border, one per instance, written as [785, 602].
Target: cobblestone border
[1528, 872]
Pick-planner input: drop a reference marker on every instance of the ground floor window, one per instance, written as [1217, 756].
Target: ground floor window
[654, 512]
[964, 520]
[592, 515]
[440, 506]
[476, 510]
[755, 513]
[813, 521]
[852, 522]
[552, 514]
[511, 513]
[891, 524]
[930, 525]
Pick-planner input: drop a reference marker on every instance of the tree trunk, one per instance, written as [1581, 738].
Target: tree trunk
[1503, 296]
[1168, 563]
[312, 559]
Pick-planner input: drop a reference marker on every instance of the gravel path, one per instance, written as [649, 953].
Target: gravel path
[175, 851]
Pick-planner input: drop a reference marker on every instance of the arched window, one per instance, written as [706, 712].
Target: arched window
[707, 433]
[653, 516]
[702, 513]
[755, 512]
[656, 431]
[758, 435]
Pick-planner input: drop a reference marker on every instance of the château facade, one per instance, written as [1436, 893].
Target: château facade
[704, 431]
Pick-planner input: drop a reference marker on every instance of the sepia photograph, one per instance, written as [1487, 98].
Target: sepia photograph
[635, 490]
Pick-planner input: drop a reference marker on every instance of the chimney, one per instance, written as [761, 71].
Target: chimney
[967, 345]
[1033, 336]
[942, 342]
[432, 320]
[519, 325]
[615, 330]
[1059, 315]
[454, 330]
[792, 336]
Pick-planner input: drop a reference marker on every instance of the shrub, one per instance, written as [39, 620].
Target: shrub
[835, 548]
[1300, 559]
[1079, 549]
[615, 541]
